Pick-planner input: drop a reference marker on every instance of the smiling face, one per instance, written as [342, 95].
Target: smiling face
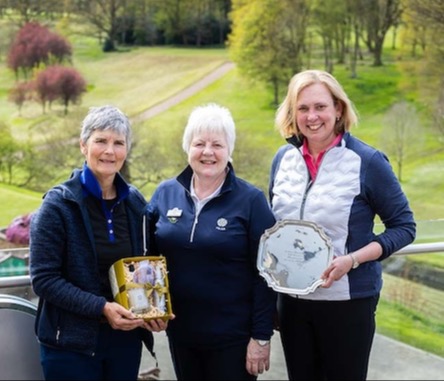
[208, 155]
[105, 152]
[316, 115]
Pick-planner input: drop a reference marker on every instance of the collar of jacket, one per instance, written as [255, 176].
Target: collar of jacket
[184, 178]
[298, 141]
[92, 186]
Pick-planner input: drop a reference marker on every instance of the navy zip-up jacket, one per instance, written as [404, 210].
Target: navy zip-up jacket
[217, 294]
[354, 184]
[63, 264]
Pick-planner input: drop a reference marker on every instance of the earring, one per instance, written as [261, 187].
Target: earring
[337, 118]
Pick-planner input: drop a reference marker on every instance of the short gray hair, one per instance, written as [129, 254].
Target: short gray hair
[106, 118]
[210, 118]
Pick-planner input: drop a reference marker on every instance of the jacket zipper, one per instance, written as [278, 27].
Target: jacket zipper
[310, 183]
[193, 229]
[304, 199]
[196, 217]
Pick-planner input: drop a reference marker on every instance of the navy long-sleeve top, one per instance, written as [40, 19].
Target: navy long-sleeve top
[217, 294]
[63, 261]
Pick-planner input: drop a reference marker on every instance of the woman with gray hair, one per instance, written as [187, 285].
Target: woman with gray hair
[207, 222]
[82, 227]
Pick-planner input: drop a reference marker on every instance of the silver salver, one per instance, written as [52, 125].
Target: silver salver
[292, 256]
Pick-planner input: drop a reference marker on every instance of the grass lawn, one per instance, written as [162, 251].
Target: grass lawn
[16, 201]
[412, 313]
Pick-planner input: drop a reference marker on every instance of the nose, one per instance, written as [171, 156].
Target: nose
[208, 150]
[312, 115]
[109, 149]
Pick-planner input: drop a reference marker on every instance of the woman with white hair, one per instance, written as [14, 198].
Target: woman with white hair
[207, 222]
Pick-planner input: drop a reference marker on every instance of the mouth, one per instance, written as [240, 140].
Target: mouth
[208, 162]
[107, 161]
[315, 127]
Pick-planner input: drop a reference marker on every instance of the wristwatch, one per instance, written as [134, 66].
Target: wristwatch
[262, 343]
[355, 263]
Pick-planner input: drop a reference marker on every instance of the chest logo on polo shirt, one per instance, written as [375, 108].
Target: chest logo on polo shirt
[174, 214]
[221, 224]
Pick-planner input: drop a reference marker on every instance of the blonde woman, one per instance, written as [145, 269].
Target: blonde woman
[327, 176]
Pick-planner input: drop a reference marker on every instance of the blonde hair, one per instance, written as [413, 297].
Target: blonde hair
[285, 120]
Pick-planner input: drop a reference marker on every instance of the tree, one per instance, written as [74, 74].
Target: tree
[71, 85]
[379, 16]
[139, 21]
[193, 22]
[147, 161]
[19, 94]
[45, 87]
[354, 9]
[8, 153]
[59, 82]
[35, 45]
[400, 134]
[267, 39]
[104, 16]
[31, 10]
[331, 21]
[429, 14]
[431, 11]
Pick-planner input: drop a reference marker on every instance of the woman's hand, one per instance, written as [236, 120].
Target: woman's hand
[258, 358]
[157, 325]
[121, 318]
[337, 269]
[341, 265]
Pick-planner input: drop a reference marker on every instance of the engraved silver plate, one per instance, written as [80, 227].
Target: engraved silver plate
[292, 256]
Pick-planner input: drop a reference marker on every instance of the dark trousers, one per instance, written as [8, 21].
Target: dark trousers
[210, 364]
[118, 357]
[327, 340]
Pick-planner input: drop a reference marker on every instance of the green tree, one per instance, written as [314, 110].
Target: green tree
[193, 22]
[354, 10]
[9, 153]
[25, 11]
[267, 39]
[104, 16]
[331, 22]
[429, 15]
[378, 17]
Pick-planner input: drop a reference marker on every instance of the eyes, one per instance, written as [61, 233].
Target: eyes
[318, 107]
[104, 141]
[202, 144]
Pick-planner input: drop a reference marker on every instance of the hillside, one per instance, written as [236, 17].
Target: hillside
[139, 78]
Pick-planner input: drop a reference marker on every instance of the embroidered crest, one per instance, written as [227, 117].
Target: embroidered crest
[174, 214]
[221, 224]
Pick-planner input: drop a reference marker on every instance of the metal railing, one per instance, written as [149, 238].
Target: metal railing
[414, 248]
[422, 248]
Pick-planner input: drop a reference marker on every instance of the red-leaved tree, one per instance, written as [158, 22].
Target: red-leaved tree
[45, 87]
[71, 85]
[19, 94]
[34, 45]
[59, 82]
